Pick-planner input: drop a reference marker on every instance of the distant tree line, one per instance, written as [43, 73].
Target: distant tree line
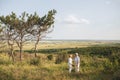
[93, 50]
[19, 29]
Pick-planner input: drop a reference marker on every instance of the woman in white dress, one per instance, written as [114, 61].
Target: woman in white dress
[70, 62]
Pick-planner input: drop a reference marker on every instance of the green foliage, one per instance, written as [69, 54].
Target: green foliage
[53, 50]
[116, 75]
[96, 63]
[115, 58]
[50, 57]
[103, 51]
[35, 61]
[98, 51]
[26, 27]
[62, 57]
[108, 67]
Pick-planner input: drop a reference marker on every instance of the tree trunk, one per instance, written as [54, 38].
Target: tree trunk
[35, 50]
[20, 53]
[20, 46]
[12, 53]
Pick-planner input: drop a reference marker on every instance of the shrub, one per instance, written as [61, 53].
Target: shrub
[116, 75]
[108, 66]
[50, 57]
[62, 57]
[35, 61]
[116, 78]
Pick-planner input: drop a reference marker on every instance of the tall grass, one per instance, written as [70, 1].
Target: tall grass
[97, 63]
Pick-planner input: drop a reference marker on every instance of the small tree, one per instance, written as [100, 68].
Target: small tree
[19, 29]
[42, 26]
[8, 32]
[20, 26]
[15, 30]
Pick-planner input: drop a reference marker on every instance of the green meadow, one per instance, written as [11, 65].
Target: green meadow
[100, 60]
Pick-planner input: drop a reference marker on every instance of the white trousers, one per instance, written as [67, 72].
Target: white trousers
[70, 67]
[77, 67]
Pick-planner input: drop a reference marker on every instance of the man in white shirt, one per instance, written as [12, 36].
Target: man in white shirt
[77, 62]
[70, 63]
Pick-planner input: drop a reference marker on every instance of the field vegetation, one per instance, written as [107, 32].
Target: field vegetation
[100, 60]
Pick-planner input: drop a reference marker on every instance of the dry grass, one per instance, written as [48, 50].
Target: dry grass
[47, 69]
[60, 44]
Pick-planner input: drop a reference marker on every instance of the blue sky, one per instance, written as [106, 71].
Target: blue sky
[75, 19]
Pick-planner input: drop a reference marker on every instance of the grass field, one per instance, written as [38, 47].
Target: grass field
[67, 44]
[93, 66]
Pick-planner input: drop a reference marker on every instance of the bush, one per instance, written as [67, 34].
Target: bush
[116, 75]
[96, 50]
[62, 57]
[35, 61]
[108, 66]
[50, 57]
[116, 78]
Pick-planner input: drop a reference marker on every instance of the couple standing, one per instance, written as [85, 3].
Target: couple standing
[76, 62]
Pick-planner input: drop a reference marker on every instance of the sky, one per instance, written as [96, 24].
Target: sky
[75, 19]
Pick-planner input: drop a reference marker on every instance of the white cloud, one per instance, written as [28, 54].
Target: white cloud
[72, 19]
[85, 21]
